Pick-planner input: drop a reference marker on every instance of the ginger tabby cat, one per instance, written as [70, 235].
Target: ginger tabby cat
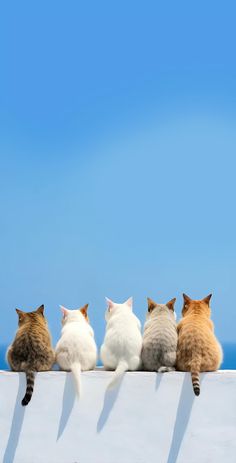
[198, 349]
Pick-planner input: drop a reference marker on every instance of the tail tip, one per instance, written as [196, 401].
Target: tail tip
[25, 401]
[197, 391]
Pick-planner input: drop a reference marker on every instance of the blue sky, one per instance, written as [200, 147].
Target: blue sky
[118, 162]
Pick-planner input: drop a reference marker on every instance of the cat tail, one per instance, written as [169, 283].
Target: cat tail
[121, 368]
[29, 387]
[76, 373]
[195, 371]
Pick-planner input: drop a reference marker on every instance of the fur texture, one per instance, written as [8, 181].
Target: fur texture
[121, 349]
[31, 350]
[198, 349]
[76, 350]
[160, 337]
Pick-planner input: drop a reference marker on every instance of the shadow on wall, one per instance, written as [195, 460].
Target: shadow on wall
[67, 403]
[158, 380]
[69, 398]
[108, 404]
[183, 414]
[17, 422]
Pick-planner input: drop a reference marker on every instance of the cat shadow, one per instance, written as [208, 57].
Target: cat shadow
[183, 414]
[17, 421]
[158, 380]
[67, 404]
[109, 402]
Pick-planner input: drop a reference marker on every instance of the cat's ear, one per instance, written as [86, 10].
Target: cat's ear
[84, 310]
[151, 304]
[171, 304]
[187, 299]
[64, 311]
[129, 302]
[110, 304]
[20, 313]
[207, 299]
[40, 309]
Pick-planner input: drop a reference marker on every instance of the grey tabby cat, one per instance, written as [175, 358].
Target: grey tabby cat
[159, 337]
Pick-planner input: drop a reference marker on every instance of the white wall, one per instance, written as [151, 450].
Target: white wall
[150, 419]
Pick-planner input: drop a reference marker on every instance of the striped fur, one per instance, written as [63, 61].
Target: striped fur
[196, 382]
[29, 387]
[159, 337]
[31, 350]
[195, 369]
[198, 349]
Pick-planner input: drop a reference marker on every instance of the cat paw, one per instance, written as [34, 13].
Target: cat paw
[165, 369]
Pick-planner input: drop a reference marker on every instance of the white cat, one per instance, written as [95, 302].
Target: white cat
[76, 350]
[121, 349]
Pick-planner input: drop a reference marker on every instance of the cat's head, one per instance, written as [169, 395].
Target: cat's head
[155, 309]
[77, 315]
[201, 306]
[113, 307]
[31, 317]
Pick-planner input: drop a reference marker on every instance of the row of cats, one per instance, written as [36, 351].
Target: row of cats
[165, 345]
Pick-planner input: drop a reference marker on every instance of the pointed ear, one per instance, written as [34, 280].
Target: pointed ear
[40, 309]
[110, 303]
[207, 299]
[84, 310]
[129, 302]
[186, 299]
[20, 313]
[64, 311]
[151, 304]
[171, 304]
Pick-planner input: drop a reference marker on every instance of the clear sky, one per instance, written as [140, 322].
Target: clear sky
[118, 148]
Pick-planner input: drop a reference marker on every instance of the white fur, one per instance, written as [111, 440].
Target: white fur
[76, 350]
[121, 349]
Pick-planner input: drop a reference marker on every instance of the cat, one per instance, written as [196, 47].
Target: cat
[159, 337]
[121, 349]
[76, 350]
[198, 349]
[31, 350]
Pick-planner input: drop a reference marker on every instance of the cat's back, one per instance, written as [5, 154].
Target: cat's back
[196, 335]
[32, 346]
[32, 334]
[160, 331]
[195, 327]
[196, 339]
[123, 334]
[123, 324]
[76, 334]
[159, 325]
[123, 339]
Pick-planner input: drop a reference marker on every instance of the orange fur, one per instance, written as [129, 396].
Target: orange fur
[84, 311]
[198, 349]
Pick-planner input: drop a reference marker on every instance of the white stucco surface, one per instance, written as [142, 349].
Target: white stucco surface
[150, 418]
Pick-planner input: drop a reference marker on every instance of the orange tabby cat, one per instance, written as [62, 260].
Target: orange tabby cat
[198, 349]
